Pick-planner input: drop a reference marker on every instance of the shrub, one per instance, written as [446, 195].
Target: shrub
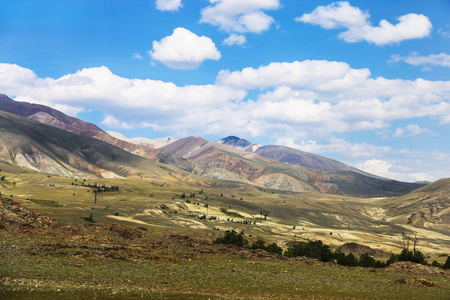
[446, 264]
[366, 261]
[312, 249]
[351, 260]
[392, 259]
[272, 248]
[259, 244]
[416, 256]
[380, 264]
[436, 264]
[232, 238]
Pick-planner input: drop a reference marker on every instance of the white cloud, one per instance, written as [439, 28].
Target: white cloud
[397, 172]
[300, 100]
[412, 130]
[112, 122]
[414, 59]
[313, 74]
[340, 146]
[302, 105]
[132, 99]
[336, 15]
[235, 39]
[341, 15]
[169, 5]
[137, 56]
[184, 50]
[236, 16]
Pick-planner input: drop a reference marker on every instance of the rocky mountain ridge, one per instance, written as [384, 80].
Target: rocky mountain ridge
[215, 160]
[152, 143]
[273, 174]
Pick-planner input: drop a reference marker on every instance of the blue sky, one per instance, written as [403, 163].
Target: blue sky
[364, 82]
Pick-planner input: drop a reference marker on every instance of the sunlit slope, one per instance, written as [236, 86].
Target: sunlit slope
[36, 146]
[428, 206]
[277, 175]
[55, 118]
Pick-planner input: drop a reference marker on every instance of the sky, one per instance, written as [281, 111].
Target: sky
[363, 82]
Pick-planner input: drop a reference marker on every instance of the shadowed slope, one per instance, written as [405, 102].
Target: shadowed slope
[44, 148]
[55, 118]
[276, 175]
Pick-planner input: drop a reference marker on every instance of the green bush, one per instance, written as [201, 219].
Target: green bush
[415, 256]
[232, 238]
[436, 264]
[272, 248]
[312, 249]
[367, 261]
[392, 259]
[446, 264]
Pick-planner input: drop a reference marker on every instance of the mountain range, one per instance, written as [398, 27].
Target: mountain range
[71, 147]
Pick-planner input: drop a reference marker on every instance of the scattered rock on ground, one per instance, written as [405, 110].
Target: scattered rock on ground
[410, 267]
[417, 282]
[125, 232]
[12, 213]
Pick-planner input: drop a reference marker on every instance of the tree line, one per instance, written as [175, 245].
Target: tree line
[318, 250]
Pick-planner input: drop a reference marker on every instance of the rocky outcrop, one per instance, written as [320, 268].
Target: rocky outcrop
[14, 214]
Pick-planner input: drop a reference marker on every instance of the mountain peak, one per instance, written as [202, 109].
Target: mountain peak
[239, 143]
[142, 141]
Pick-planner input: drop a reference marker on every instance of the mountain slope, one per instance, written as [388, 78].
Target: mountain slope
[428, 206]
[55, 118]
[39, 147]
[239, 143]
[276, 175]
[152, 143]
[305, 159]
[36, 146]
[292, 156]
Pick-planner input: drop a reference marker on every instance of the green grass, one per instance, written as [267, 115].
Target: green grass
[92, 263]
[169, 270]
[138, 204]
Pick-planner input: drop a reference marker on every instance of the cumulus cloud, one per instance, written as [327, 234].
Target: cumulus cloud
[335, 145]
[341, 15]
[132, 99]
[412, 130]
[184, 50]
[414, 59]
[112, 122]
[235, 16]
[168, 5]
[313, 74]
[235, 39]
[385, 169]
[336, 15]
[300, 104]
[299, 99]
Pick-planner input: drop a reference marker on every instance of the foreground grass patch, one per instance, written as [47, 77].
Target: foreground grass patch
[39, 264]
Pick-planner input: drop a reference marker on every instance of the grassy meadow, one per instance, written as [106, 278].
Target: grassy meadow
[175, 257]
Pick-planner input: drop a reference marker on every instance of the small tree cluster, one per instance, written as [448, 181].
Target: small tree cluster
[312, 249]
[101, 188]
[272, 248]
[232, 238]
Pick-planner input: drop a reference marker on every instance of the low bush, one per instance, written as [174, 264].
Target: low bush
[232, 238]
